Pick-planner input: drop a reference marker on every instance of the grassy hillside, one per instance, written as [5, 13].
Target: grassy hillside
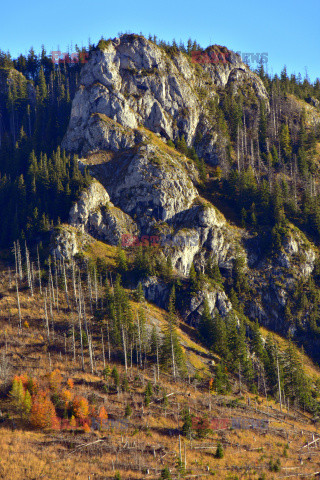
[140, 441]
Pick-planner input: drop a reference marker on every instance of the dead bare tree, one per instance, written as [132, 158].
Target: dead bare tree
[18, 301]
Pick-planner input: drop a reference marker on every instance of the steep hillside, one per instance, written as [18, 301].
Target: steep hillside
[135, 421]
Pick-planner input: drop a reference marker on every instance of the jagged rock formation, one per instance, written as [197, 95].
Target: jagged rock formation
[133, 82]
[64, 243]
[94, 213]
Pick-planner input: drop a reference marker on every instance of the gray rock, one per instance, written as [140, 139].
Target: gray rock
[135, 83]
[95, 214]
[64, 244]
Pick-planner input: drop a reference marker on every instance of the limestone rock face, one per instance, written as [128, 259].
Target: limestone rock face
[200, 234]
[90, 200]
[135, 83]
[275, 280]
[156, 291]
[112, 225]
[217, 301]
[149, 185]
[95, 214]
[64, 244]
[152, 190]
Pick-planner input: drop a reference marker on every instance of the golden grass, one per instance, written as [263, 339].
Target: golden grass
[27, 454]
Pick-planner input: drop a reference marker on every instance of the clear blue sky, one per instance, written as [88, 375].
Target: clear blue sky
[288, 30]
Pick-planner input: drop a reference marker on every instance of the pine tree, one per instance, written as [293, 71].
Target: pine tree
[285, 142]
[115, 377]
[206, 325]
[171, 351]
[148, 394]
[42, 85]
[221, 381]
[187, 423]
[219, 452]
[17, 394]
[121, 259]
[139, 293]
[194, 284]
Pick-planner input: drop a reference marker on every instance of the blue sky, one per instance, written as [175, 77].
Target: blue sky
[288, 31]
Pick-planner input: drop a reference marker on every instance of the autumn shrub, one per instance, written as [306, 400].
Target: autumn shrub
[70, 383]
[80, 407]
[43, 414]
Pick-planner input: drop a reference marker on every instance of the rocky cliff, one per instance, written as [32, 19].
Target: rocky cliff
[135, 97]
[135, 83]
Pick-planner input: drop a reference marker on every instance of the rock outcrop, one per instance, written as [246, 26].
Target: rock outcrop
[95, 214]
[157, 292]
[135, 83]
[275, 280]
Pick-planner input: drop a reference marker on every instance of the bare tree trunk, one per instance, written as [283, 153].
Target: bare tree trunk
[90, 352]
[173, 359]
[29, 278]
[18, 300]
[56, 282]
[109, 349]
[74, 343]
[101, 289]
[19, 260]
[89, 288]
[51, 284]
[139, 337]
[66, 284]
[74, 283]
[46, 314]
[279, 384]
[80, 330]
[16, 258]
[124, 347]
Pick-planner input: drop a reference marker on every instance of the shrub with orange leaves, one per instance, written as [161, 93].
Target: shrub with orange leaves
[86, 428]
[103, 413]
[24, 379]
[211, 384]
[80, 407]
[70, 383]
[43, 413]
